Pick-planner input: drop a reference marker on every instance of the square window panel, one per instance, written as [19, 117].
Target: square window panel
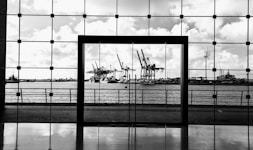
[65, 55]
[66, 7]
[198, 8]
[236, 8]
[201, 56]
[36, 7]
[133, 7]
[34, 91]
[133, 26]
[200, 89]
[165, 26]
[101, 7]
[12, 6]
[100, 26]
[199, 29]
[251, 57]
[35, 28]
[11, 54]
[65, 75]
[64, 88]
[12, 31]
[11, 86]
[34, 54]
[231, 56]
[228, 29]
[165, 8]
[228, 95]
[35, 75]
[67, 28]
[251, 30]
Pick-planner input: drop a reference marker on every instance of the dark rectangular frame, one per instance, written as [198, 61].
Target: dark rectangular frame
[183, 40]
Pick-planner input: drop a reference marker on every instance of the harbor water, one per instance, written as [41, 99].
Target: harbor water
[66, 92]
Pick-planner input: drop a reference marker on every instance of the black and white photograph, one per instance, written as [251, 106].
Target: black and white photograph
[126, 75]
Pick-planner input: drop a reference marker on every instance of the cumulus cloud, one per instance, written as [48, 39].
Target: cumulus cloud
[198, 30]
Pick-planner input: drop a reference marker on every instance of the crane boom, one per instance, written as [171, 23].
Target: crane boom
[139, 59]
[119, 62]
[144, 59]
[96, 64]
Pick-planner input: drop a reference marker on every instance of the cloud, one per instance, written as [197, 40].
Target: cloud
[67, 28]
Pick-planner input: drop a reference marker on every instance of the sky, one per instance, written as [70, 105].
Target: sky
[66, 28]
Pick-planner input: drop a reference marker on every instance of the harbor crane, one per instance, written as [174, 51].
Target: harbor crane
[125, 68]
[99, 72]
[147, 68]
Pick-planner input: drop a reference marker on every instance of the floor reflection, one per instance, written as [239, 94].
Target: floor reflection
[30, 136]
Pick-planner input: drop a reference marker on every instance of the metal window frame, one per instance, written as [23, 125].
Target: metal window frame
[88, 39]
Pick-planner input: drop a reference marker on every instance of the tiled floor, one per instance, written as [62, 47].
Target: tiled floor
[31, 136]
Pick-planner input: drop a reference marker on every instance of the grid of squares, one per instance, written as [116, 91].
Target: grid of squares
[120, 13]
[56, 22]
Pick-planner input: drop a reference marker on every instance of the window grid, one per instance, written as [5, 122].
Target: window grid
[117, 17]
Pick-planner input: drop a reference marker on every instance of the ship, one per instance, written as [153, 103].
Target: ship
[12, 79]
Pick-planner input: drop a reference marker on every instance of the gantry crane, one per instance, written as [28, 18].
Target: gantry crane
[148, 69]
[125, 68]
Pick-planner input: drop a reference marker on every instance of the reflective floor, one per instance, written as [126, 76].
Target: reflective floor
[31, 136]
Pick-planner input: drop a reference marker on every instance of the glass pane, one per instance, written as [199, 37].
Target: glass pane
[198, 7]
[133, 26]
[200, 89]
[228, 29]
[11, 54]
[68, 28]
[133, 7]
[236, 8]
[198, 29]
[36, 7]
[34, 54]
[231, 56]
[101, 7]
[34, 91]
[164, 26]
[251, 57]
[100, 26]
[165, 8]
[66, 7]
[200, 56]
[36, 28]
[11, 86]
[65, 55]
[35, 75]
[12, 28]
[12, 6]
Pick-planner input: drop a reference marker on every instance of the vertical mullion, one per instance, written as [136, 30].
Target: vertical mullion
[51, 74]
[149, 3]
[84, 13]
[214, 74]
[181, 19]
[117, 11]
[248, 88]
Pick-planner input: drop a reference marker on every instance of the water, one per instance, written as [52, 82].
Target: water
[65, 92]
[63, 137]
